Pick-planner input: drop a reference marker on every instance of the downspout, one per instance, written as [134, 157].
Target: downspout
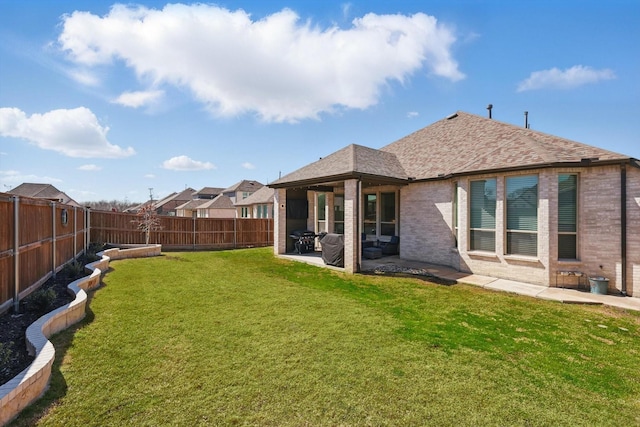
[623, 226]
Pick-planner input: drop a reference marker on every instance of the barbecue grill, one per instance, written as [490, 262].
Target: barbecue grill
[304, 240]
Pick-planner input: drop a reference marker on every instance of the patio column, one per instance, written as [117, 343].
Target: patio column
[280, 221]
[351, 215]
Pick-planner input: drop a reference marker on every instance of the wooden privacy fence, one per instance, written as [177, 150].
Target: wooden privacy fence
[37, 238]
[181, 233]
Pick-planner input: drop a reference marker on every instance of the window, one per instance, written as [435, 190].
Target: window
[483, 215]
[370, 214]
[244, 212]
[522, 215]
[388, 214]
[338, 217]
[567, 216]
[321, 209]
[245, 194]
[263, 211]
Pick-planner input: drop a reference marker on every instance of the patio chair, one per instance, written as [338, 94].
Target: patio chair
[366, 243]
[390, 247]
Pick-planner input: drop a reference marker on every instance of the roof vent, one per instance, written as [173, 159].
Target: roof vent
[489, 107]
[452, 116]
[588, 160]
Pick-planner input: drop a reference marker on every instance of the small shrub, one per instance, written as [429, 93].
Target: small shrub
[91, 254]
[73, 270]
[5, 353]
[42, 299]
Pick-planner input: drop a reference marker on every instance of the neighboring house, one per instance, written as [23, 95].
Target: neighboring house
[190, 208]
[43, 191]
[242, 190]
[257, 205]
[478, 195]
[220, 207]
[168, 205]
[207, 193]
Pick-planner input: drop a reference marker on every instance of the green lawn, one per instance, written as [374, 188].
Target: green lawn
[242, 338]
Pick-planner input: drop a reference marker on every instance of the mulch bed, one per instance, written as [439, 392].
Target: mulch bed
[418, 273]
[13, 349]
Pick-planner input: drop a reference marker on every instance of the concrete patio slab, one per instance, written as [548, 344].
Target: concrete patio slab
[512, 286]
[563, 295]
[475, 279]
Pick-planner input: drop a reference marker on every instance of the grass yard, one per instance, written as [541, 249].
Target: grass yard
[242, 338]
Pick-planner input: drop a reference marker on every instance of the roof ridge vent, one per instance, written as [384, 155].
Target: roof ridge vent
[452, 116]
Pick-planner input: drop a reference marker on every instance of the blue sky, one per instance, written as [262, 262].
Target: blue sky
[106, 101]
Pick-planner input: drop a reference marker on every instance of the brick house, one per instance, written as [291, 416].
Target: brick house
[257, 205]
[481, 196]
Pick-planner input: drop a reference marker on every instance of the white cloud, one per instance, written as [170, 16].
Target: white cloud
[150, 176]
[346, 9]
[184, 163]
[83, 76]
[89, 168]
[138, 99]
[412, 114]
[74, 133]
[555, 78]
[278, 67]
[248, 165]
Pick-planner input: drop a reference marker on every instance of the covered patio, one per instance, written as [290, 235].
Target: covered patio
[354, 192]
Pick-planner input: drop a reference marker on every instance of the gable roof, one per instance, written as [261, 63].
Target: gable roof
[184, 195]
[192, 204]
[220, 202]
[42, 191]
[262, 196]
[465, 143]
[244, 185]
[353, 161]
[460, 144]
[208, 191]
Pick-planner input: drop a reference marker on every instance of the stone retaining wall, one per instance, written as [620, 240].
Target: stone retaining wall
[30, 384]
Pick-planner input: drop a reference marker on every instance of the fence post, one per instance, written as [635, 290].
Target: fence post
[235, 233]
[16, 255]
[87, 229]
[53, 238]
[75, 231]
[194, 231]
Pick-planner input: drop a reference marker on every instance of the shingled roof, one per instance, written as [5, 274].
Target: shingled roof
[353, 161]
[459, 144]
[220, 202]
[244, 185]
[262, 196]
[42, 191]
[464, 143]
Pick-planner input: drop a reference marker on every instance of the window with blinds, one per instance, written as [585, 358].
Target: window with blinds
[522, 215]
[567, 216]
[482, 218]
